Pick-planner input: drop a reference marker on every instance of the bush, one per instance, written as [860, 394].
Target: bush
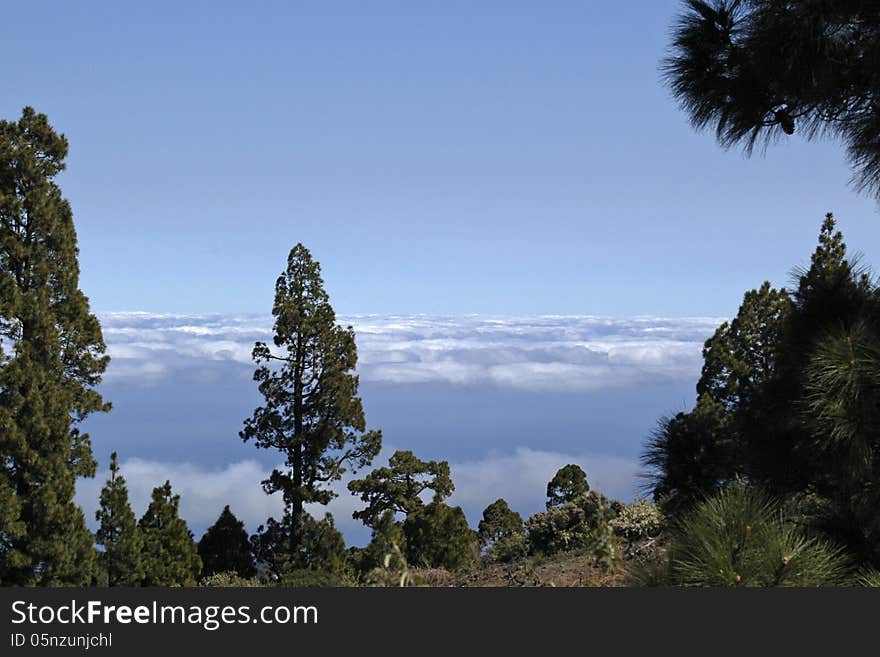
[638, 521]
[582, 524]
[308, 578]
[228, 580]
[739, 537]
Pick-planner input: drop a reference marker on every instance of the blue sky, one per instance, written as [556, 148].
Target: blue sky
[456, 157]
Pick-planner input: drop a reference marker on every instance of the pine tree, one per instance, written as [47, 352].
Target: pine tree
[388, 544]
[398, 487]
[51, 359]
[118, 532]
[502, 533]
[569, 482]
[438, 536]
[321, 551]
[312, 413]
[755, 71]
[171, 557]
[225, 547]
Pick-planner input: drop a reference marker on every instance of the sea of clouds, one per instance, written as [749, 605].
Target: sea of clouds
[543, 355]
[533, 353]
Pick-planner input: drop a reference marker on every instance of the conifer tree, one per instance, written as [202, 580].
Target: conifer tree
[312, 413]
[569, 483]
[502, 533]
[755, 71]
[388, 543]
[398, 487]
[171, 557]
[51, 359]
[438, 536]
[225, 547]
[118, 533]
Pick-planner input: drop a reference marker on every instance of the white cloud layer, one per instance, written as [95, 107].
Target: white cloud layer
[519, 476]
[544, 353]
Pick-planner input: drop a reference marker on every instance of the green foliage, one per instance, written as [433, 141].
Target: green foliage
[312, 413]
[438, 536]
[51, 359]
[308, 578]
[118, 533]
[869, 578]
[225, 547]
[170, 556]
[392, 571]
[582, 524]
[383, 561]
[638, 521]
[755, 71]
[321, 547]
[689, 455]
[739, 537]
[229, 580]
[501, 533]
[569, 483]
[398, 487]
[790, 400]
[387, 547]
[740, 357]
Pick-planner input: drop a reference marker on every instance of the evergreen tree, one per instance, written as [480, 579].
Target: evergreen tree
[758, 70]
[502, 533]
[118, 533]
[321, 550]
[804, 425]
[387, 543]
[689, 455]
[438, 536]
[569, 483]
[51, 359]
[170, 556]
[225, 547]
[312, 413]
[398, 487]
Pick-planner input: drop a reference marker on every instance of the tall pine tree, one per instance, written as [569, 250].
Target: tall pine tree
[118, 532]
[51, 359]
[171, 557]
[312, 413]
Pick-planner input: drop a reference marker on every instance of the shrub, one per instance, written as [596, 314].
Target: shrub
[638, 521]
[228, 580]
[739, 537]
[582, 524]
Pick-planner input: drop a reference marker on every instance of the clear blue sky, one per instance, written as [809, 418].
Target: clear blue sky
[454, 157]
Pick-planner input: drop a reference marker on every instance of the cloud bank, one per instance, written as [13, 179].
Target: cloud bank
[545, 353]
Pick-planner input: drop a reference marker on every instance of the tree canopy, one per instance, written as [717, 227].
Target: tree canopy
[398, 487]
[51, 359]
[569, 482]
[756, 70]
